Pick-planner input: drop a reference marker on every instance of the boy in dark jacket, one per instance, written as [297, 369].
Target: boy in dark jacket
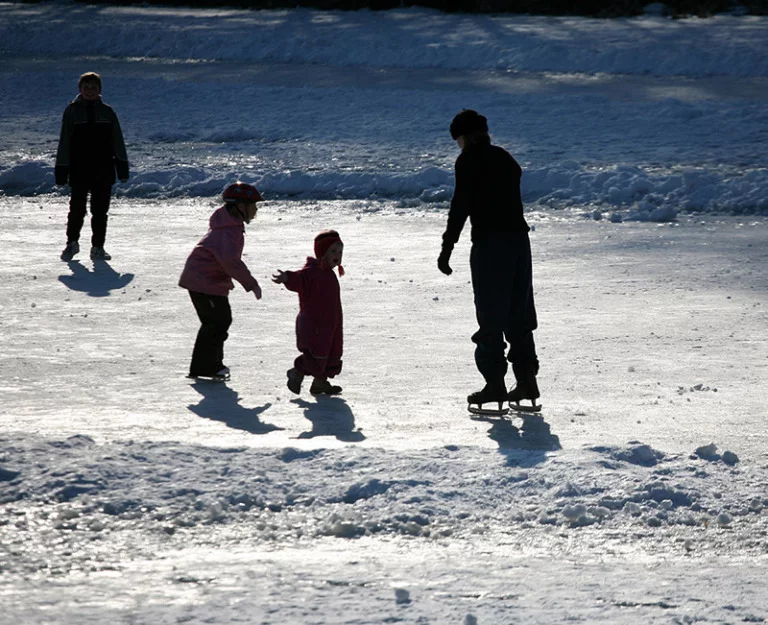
[319, 325]
[91, 148]
[487, 192]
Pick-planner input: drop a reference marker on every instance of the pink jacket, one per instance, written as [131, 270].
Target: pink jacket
[216, 258]
[319, 325]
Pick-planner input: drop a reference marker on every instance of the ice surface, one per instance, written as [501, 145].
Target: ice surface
[129, 494]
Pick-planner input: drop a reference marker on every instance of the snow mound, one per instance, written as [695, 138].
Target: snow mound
[628, 193]
[78, 487]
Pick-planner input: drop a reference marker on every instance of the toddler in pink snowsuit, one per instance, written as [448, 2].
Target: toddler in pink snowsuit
[319, 325]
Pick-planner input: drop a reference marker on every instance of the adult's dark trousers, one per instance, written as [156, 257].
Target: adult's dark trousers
[502, 280]
[101, 194]
[215, 317]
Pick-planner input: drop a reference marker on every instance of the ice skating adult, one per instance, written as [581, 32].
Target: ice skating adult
[91, 148]
[319, 324]
[487, 191]
[208, 274]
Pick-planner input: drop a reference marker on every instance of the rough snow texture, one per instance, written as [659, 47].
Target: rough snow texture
[630, 119]
[75, 487]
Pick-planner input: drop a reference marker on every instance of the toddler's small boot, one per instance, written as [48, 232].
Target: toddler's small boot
[294, 380]
[321, 386]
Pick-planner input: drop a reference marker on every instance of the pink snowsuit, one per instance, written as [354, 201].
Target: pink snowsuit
[216, 259]
[319, 324]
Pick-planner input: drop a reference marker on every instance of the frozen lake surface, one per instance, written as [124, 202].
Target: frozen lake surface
[129, 494]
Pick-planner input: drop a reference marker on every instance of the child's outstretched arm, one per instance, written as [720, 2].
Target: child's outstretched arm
[291, 280]
[281, 277]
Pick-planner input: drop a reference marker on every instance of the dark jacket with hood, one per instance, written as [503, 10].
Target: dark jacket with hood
[91, 145]
[488, 192]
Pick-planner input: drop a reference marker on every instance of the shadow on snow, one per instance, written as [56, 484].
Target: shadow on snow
[534, 435]
[330, 416]
[97, 283]
[221, 403]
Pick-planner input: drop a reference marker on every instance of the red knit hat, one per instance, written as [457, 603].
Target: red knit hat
[323, 242]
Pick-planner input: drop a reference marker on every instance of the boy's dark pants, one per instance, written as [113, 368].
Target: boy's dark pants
[101, 195]
[215, 316]
[502, 279]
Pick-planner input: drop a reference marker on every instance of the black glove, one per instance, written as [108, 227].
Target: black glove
[442, 261]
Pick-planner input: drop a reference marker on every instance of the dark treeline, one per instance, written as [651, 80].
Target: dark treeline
[588, 8]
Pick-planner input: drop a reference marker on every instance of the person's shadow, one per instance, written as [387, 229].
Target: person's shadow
[534, 435]
[97, 283]
[330, 416]
[221, 403]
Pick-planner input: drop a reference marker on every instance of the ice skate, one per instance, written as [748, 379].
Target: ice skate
[99, 253]
[323, 387]
[72, 248]
[294, 380]
[222, 375]
[526, 389]
[489, 395]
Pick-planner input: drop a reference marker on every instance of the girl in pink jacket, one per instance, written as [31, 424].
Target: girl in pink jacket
[208, 275]
[319, 325]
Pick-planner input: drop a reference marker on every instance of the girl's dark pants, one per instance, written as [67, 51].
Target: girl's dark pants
[502, 280]
[215, 316]
[101, 194]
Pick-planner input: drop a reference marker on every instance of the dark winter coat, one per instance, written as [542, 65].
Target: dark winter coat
[488, 192]
[217, 258]
[319, 325]
[91, 145]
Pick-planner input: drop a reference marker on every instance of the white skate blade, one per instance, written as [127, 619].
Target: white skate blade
[491, 412]
[528, 409]
[212, 379]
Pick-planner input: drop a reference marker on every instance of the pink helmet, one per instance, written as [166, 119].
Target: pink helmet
[241, 192]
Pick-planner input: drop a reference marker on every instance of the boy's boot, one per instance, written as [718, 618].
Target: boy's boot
[526, 387]
[294, 380]
[99, 253]
[73, 247]
[321, 386]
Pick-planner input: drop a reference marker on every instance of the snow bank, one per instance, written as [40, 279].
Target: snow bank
[632, 193]
[623, 192]
[78, 487]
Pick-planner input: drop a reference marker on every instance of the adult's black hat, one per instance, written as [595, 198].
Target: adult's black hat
[468, 121]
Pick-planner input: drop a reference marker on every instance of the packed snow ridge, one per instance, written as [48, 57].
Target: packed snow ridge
[64, 491]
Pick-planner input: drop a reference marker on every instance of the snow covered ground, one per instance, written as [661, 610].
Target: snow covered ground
[639, 117]
[130, 495]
